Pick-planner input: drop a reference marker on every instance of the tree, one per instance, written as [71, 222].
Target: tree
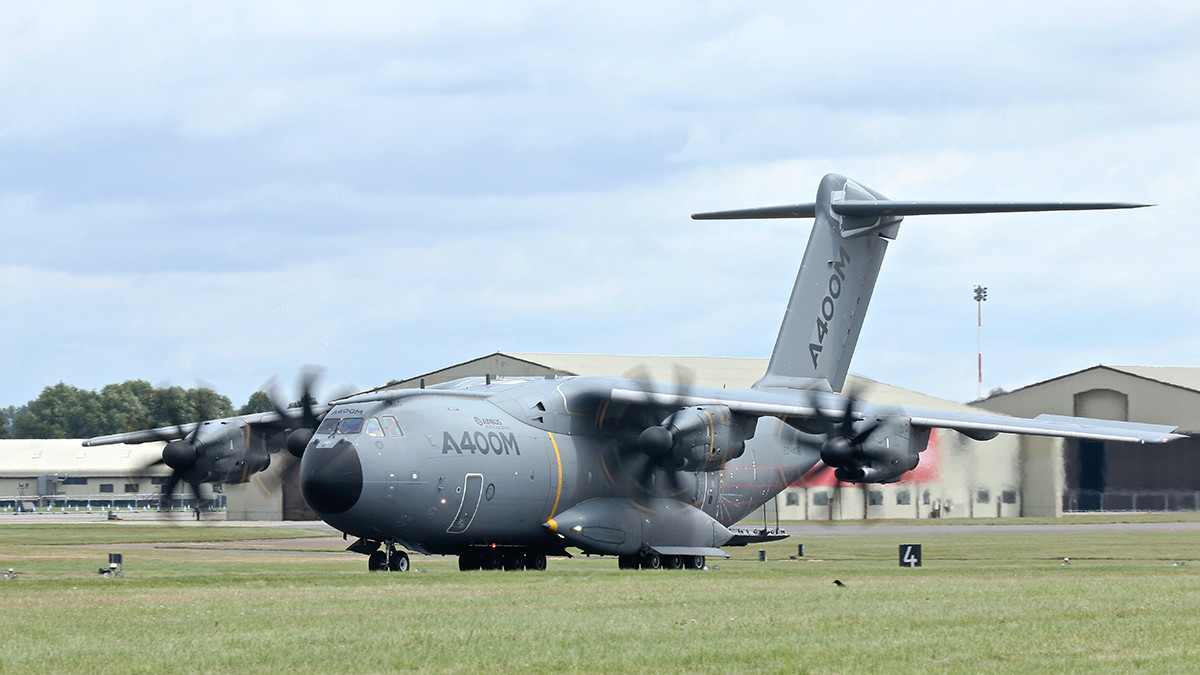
[307, 398]
[128, 406]
[61, 411]
[7, 415]
[171, 407]
[208, 404]
[259, 402]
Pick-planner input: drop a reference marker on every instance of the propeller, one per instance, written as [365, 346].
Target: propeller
[646, 440]
[842, 448]
[181, 453]
[843, 444]
[299, 422]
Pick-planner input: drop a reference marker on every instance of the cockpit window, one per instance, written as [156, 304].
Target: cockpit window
[391, 427]
[350, 425]
[374, 430]
[329, 425]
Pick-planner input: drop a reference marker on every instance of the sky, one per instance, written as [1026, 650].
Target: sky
[224, 192]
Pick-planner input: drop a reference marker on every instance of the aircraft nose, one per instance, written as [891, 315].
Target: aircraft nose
[331, 479]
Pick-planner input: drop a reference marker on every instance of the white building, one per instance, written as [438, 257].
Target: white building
[62, 473]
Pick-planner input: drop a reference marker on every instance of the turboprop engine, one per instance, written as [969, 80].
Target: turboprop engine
[875, 451]
[698, 438]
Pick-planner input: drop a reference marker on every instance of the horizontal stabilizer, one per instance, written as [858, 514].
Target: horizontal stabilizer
[787, 211]
[874, 208]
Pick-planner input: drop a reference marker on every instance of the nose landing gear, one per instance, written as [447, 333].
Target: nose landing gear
[387, 559]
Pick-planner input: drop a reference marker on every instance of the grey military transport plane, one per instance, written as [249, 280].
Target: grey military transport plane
[503, 472]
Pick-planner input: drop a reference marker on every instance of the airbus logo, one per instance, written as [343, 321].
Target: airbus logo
[828, 304]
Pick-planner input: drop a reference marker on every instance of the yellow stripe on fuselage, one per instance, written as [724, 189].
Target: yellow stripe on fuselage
[558, 460]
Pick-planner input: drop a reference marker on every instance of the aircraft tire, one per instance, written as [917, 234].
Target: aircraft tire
[399, 562]
[493, 561]
[650, 561]
[514, 562]
[672, 562]
[627, 562]
[535, 562]
[695, 562]
[377, 561]
[468, 562]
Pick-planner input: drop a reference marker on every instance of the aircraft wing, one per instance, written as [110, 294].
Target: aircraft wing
[183, 430]
[982, 426]
[979, 426]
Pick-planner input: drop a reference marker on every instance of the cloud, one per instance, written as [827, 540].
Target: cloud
[228, 191]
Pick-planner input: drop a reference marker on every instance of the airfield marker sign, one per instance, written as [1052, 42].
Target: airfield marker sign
[910, 555]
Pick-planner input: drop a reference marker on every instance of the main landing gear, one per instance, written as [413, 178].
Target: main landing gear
[500, 559]
[650, 560]
[388, 559]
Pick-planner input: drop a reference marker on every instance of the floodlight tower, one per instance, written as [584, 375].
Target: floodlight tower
[980, 297]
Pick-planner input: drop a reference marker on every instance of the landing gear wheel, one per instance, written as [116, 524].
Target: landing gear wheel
[535, 562]
[650, 561]
[514, 562]
[695, 562]
[493, 561]
[377, 561]
[627, 562]
[672, 562]
[399, 562]
[468, 562]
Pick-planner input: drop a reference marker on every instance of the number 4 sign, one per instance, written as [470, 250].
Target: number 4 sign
[910, 555]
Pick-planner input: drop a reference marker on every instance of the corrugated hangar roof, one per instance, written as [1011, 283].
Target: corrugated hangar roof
[32, 457]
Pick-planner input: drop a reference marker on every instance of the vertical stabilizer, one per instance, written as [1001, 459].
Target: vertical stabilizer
[841, 264]
[833, 287]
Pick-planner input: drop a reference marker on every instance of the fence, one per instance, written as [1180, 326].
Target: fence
[1131, 500]
[102, 502]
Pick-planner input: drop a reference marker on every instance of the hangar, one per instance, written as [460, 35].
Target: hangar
[1118, 476]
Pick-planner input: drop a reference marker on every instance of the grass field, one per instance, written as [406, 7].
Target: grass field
[273, 599]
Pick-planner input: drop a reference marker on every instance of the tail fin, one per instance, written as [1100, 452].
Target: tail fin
[838, 272]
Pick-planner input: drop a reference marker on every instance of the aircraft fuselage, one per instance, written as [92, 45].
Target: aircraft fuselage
[492, 465]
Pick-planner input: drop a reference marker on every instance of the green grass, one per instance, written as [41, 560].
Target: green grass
[981, 603]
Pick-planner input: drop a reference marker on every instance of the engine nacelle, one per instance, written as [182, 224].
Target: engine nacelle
[699, 438]
[889, 452]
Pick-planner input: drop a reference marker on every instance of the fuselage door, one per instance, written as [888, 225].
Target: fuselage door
[472, 491]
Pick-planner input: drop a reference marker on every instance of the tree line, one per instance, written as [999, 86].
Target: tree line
[64, 411]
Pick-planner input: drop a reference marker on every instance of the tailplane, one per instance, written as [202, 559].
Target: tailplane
[838, 272]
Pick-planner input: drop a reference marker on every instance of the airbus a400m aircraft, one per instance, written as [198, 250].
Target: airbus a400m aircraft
[503, 472]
